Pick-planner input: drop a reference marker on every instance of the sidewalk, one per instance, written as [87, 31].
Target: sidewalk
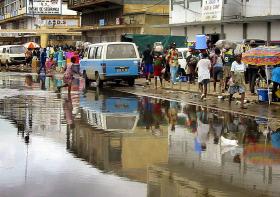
[193, 88]
[190, 96]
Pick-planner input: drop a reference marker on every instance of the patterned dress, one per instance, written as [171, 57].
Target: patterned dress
[158, 65]
[173, 57]
[68, 75]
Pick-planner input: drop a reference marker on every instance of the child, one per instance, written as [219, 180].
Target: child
[158, 66]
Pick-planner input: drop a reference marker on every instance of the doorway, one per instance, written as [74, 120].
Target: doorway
[214, 37]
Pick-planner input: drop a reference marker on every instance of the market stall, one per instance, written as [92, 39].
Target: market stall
[263, 56]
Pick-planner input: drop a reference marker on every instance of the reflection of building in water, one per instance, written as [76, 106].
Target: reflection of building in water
[17, 109]
[124, 153]
[179, 181]
[41, 114]
[214, 172]
[10, 80]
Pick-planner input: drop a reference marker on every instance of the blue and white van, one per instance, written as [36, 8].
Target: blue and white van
[112, 61]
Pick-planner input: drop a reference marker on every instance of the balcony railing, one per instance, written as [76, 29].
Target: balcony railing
[79, 4]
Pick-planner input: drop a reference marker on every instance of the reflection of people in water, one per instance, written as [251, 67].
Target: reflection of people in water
[173, 114]
[28, 80]
[190, 111]
[275, 138]
[68, 109]
[251, 135]
[274, 131]
[202, 128]
[148, 112]
[217, 128]
[157, 117]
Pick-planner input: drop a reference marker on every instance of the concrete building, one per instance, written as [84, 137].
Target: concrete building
[107, 20]
[231, 19]
[26, 20]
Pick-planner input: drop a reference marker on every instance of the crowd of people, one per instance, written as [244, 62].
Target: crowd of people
[222, 66]
[46, 60]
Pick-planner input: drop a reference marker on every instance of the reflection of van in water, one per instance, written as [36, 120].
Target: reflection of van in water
[12, 55]
[111, 113]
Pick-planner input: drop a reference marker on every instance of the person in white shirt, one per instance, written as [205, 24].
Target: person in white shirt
[237, 81]
[203, 67]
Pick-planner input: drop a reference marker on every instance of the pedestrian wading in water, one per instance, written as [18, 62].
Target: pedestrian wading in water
[68, 76]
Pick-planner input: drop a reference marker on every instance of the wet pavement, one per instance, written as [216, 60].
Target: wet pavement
[109, 143]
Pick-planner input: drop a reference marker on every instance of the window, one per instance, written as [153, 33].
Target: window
[180, 55]
[17, 50]
[98, 53]
[92, 53]
[121, 51]
[4, 50]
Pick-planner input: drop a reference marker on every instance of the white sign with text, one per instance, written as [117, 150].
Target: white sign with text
[212, 10]
[44, 7]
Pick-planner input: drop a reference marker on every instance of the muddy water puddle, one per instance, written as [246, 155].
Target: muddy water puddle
[106, 143]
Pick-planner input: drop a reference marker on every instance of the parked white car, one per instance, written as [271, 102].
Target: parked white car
[12, 55]
[183, 54]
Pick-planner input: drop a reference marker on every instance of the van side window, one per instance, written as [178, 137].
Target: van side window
[98, 53]
[120, 51]
[92, 53]
[4, 50]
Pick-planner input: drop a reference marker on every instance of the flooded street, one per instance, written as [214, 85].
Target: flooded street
[108, 143]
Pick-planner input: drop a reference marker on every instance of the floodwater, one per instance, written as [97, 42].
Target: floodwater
[106, 143]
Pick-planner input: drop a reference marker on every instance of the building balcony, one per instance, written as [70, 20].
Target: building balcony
[80, 5]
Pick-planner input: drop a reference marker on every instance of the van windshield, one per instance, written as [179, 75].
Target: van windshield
[17, 49]
[121, 51]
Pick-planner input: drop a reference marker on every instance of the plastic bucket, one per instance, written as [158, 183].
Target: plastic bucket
[183, 78]
[263, 95]
[200, 42]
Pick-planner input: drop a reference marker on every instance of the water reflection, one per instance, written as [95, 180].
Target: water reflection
[212, 153]
[112, 134]
[177, 149]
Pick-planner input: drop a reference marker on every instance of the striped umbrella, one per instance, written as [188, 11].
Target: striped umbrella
[31, 45]
[262, 56]
[261, 154]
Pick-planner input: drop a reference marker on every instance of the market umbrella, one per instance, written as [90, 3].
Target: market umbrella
[225, 44]
[31, 45]
[262, 56]
[262, 154]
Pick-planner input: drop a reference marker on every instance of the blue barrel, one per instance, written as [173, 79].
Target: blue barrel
[263, 95]
[183, 78]
[201, 42]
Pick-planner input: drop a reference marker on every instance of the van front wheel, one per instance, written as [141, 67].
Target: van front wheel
[99, 82]
[131, 82]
